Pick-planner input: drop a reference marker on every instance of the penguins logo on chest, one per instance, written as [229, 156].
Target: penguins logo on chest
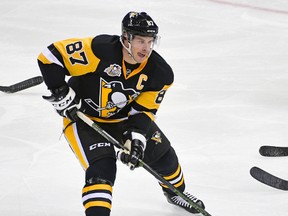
[115, 97]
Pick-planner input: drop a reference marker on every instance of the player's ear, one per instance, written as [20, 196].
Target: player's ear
[124, 36]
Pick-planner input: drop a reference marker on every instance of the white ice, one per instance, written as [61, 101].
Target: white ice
[230, 96]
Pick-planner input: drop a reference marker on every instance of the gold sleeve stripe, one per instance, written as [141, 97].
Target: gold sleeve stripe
[148, 100]
[97, 203]
[152, 99]
[97, 187]
[47, 57]
[74, 143]
[81, 59]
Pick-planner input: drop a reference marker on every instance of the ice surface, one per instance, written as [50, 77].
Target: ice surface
[230, 96]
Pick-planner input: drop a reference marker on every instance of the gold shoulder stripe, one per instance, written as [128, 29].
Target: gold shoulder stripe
[43, 59]
[77, 55]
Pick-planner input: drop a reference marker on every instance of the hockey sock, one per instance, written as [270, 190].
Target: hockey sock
[176, 179]
[97, 199]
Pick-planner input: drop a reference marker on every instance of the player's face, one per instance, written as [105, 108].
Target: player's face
[141, 47]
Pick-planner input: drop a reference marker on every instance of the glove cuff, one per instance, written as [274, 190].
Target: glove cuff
[64, 102]
[139, 136]
[60, 91]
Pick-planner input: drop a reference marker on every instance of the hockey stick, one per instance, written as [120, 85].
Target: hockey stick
[22, 85]
[111, 139]
[273, 151]
[268, 179]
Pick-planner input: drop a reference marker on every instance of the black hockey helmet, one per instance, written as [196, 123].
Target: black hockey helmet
[139, 23]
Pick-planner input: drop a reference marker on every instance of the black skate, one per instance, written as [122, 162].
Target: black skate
[179, 201]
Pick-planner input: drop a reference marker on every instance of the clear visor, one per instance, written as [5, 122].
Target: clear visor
[147, 42]
[157, 40]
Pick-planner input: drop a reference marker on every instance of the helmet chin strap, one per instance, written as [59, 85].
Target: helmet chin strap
[128, 49]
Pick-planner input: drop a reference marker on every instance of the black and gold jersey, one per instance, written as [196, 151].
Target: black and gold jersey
[110, 89]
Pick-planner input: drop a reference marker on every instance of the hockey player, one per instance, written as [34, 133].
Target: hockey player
[119, 82]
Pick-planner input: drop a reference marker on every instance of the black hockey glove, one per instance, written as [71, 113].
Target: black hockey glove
[65, 102]
[135, 144]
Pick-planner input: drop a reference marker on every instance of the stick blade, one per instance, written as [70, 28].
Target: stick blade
[22, 85]
[268, 179]
[5, 89]
[273, 151]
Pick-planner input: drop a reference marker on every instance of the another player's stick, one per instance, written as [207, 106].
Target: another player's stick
[269, 179]
[273, 151]
[22, 85]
